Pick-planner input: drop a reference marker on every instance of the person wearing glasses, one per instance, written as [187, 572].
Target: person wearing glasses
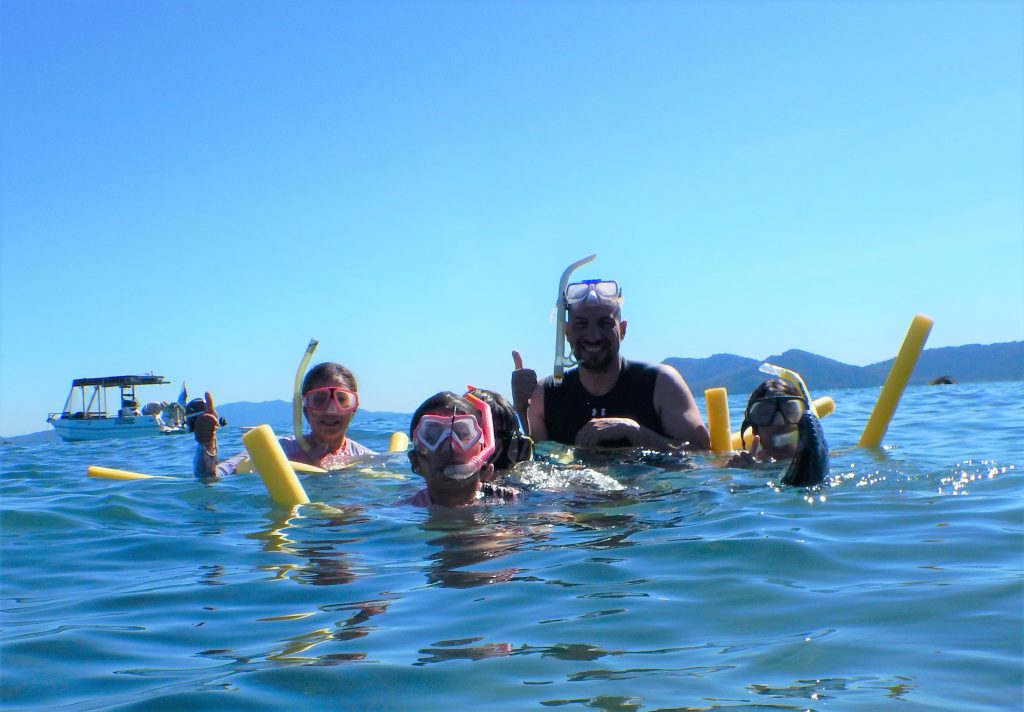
[330, 399]
[453, 441]
[773, 414]
[607, 401]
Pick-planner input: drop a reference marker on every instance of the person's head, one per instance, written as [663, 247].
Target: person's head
[773, 413]
[595, 328]
[330, 398]
[511, 444]
[451, 444]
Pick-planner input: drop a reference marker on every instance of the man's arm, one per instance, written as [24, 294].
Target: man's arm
[680, 417]
[535, 415]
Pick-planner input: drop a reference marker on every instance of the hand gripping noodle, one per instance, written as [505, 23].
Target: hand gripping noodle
[561, 358]
[297, 396]
[272, 464]
[896, 382]
[467, 469]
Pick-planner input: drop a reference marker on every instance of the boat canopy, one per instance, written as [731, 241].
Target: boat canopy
[118, 381]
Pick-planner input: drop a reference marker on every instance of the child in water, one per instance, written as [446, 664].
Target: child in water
[773, 413]
[453, 440]
[511, 444]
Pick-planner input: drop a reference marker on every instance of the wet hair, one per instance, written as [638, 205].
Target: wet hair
[445, 400]
[771, 387]
[329, 371]
[507, 431]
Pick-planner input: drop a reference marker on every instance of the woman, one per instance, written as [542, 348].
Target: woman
[773, 413]
[453, 441]
[330, 399]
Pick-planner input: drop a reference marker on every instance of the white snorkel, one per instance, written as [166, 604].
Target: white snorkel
[562, 359]
[297, 395]
[794, 378]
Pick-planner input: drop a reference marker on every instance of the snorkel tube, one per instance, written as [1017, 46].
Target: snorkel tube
[476, 463]
[561, 358]
[297, 396]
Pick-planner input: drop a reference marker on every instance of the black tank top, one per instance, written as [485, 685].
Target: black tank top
[568, 406]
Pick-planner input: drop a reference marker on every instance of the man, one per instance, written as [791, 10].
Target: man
[607, 401]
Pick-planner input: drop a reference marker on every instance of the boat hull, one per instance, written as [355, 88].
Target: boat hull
[135, 426]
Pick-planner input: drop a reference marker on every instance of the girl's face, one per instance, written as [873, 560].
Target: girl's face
[330, 424]
[775, 420]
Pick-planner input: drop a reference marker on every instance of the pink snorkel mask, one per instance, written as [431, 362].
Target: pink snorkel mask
[477, 462]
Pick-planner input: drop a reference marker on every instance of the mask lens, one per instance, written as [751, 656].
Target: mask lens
[432, 430]
[792, 410]
[762, 411]
[318, 399]
[465, 431]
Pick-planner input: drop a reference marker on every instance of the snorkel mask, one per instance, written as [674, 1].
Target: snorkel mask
[433, 430]
[562, 358]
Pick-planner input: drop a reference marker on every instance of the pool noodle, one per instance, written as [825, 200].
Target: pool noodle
[824, 405]
[718, 418]
[896, 382]
[272, 464]
[245, 467]
[111, 474]
[399, 442]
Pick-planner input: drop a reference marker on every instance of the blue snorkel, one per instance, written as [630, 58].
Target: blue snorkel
[562, 359]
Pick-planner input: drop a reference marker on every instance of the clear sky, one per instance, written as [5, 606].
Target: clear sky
[198, 188]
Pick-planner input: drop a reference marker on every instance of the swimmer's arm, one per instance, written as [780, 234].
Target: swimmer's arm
[599, 431]
[535, 426]
[680, 417]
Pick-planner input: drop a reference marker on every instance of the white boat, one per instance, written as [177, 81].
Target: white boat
[86, 416]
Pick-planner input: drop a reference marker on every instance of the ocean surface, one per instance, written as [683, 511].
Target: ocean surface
[644, 583]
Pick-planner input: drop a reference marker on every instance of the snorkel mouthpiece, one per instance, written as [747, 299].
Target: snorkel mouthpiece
[562, 359]
[476, 463]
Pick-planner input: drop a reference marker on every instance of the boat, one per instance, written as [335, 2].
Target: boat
[87, 417]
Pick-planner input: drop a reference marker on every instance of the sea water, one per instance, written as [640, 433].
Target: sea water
[686, 585]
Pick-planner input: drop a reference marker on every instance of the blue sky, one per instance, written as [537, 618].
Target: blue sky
[198, 188]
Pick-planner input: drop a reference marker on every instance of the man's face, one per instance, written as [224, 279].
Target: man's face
[595, 332]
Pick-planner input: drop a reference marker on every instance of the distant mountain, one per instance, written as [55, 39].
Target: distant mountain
[962, 364]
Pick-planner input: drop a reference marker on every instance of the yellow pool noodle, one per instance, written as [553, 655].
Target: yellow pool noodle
[718, 418]
[399, 442]
[272, 464]
[245, 467]
[112, 474]
[896, 382]
[823, 405]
